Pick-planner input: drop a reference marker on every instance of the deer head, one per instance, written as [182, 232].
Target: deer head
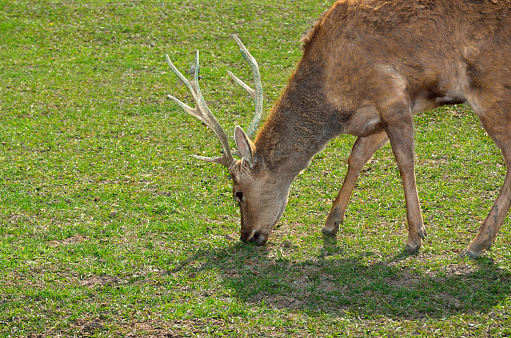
[261, 198]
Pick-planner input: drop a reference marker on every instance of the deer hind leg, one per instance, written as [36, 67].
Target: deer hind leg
[361, 153]
[498, 125]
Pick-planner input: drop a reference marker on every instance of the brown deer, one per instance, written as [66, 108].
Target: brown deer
[367, 67]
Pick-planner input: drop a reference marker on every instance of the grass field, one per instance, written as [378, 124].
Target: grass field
[110, 228]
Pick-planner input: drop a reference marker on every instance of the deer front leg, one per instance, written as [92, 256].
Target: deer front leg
[398, 124]
[361, 153]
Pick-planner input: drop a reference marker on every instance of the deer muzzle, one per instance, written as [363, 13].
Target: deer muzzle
[253, 236]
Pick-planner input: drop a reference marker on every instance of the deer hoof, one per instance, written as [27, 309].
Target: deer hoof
[330, 232]
[470, 254]
[476, 248]
[411, 249]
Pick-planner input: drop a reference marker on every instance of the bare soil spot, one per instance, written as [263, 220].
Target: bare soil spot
[75, 239]
[459, 269]
[330, 286]
[100, 281]
[92, 326]
[449, 300]
[404, 279]
[285, 302]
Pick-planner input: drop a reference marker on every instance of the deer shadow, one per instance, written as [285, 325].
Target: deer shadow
[338, 284]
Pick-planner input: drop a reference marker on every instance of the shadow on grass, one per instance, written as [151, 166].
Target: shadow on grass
[335, 284]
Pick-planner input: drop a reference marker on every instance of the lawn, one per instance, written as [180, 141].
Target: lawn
[110, 228]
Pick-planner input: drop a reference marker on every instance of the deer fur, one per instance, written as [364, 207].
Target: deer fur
[367, 67]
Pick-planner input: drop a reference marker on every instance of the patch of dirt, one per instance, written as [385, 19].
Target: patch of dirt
[69, 241]
[301, 283]
[459, 269]
[277, 301]
[92, 326]
[100, 281]
[330, 286]
[303, 293]
[284, 302]
[153, 328]
[449, 300]
[175, 329]
[405, 279]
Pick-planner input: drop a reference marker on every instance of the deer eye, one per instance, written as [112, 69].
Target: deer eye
[238, 195]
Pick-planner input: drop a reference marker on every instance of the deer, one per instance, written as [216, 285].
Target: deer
[367, 67]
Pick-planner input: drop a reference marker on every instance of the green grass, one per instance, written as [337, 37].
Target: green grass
[110, 228]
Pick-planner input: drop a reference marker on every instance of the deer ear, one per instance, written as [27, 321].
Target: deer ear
[245, 147]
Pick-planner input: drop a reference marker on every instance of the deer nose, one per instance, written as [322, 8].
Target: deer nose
[253, 236]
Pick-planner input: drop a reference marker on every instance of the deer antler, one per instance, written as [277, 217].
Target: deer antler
[257, 94]
[203, 113]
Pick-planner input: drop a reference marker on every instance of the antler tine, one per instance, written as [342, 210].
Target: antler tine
[202, 112]
[257, 94]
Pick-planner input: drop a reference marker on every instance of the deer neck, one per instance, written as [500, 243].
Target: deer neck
[300, 124]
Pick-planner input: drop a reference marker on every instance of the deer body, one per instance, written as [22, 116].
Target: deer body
[367, 66]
